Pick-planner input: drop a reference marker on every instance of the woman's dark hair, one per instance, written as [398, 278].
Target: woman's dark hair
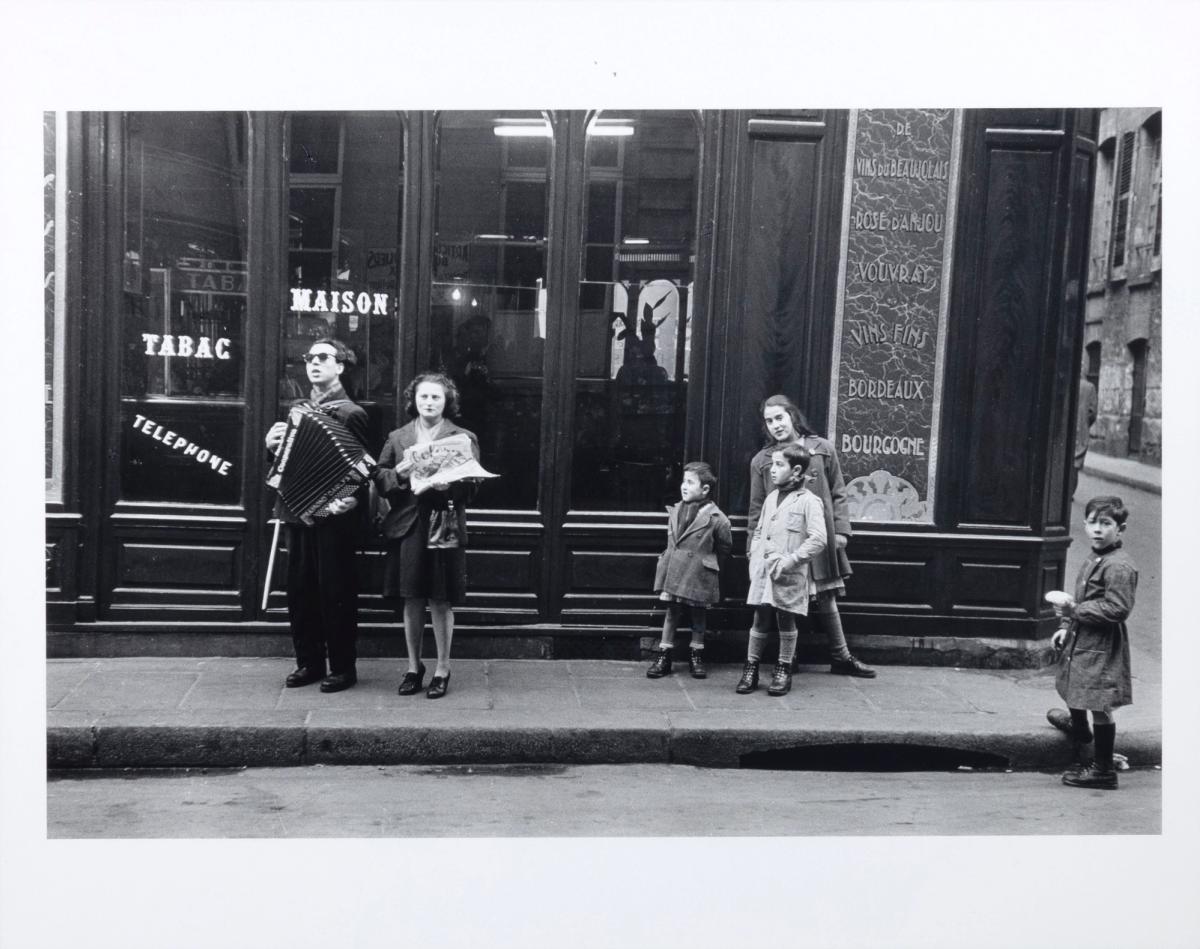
[704, 474]
[448, 386]
[799, 422]
[796, 456]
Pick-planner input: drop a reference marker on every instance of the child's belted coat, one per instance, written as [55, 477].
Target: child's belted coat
[1094, 670]
[690, 566]
[794, 527]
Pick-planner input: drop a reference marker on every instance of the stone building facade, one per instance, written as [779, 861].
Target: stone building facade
[1123, 324]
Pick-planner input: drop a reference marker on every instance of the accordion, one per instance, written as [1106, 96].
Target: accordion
[318, 462]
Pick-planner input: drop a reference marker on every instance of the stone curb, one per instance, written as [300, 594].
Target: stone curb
[129, 743]
[1120, 477]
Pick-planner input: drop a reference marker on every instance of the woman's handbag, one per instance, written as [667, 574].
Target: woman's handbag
[443, 528]
[378, 508]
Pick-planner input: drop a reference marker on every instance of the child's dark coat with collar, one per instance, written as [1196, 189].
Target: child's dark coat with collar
[690, 566]
[1094, 669]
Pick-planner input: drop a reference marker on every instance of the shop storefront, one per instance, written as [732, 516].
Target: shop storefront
[614, 293]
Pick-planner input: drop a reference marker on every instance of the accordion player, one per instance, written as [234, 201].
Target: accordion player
[319, 461]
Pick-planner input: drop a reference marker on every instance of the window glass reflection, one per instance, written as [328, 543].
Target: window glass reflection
[345, 220]
[488, 295]
[184, 284]
[635, 304]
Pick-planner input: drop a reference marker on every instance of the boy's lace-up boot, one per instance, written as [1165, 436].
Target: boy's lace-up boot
[781, 679]
[749, 680]
[1091, 777]
[661, 665]
[696, 664]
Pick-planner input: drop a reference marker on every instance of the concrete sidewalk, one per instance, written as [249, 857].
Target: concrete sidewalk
[224, 712]
[1125, 471]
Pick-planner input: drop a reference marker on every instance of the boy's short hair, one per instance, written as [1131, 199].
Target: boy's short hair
[1108, 504]
[704, 474]
[797, 456]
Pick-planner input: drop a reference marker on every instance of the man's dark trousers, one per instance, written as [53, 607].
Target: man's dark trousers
[322, 592]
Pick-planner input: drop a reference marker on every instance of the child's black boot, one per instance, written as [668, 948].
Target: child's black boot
[1073, 724]
[781, 680]
[661, 665]
[1101, 773]
[696, 664]
[749, 680]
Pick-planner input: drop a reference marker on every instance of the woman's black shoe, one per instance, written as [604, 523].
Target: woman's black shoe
[411, 683]
[661, 665]
[437, 686]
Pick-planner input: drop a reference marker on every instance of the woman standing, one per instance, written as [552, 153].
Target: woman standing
[785, 424]
[414, 571]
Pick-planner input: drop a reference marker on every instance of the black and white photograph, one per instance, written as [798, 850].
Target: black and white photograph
[682, 474]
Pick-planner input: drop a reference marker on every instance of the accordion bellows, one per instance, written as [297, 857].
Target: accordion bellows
[319, 461]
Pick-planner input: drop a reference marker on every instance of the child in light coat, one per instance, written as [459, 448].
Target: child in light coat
[789, 534]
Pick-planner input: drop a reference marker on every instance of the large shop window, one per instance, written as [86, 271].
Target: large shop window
[635, 306]
[183, 280]
[345, 213]
[488, 294]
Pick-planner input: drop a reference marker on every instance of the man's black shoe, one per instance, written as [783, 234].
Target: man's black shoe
[851, 667]
[303, 676]
[338, 681]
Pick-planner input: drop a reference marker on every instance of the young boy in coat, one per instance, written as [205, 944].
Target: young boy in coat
[698, 539]
[789, 534]
[1093, 667]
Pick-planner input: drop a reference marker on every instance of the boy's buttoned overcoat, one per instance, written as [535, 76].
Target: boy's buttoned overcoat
[826, 482]
[690, 566]
[1094, 670]
[795, 526]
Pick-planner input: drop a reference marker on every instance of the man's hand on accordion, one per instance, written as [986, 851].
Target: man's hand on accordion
[275, 436]
[342, 505]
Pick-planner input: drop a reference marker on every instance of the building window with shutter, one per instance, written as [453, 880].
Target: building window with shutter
[1122, 201]
[1102, 214]
[1153, 129]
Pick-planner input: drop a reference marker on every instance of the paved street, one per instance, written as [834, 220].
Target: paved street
[594, 801]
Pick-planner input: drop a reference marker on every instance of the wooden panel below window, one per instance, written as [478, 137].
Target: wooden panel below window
[991, 584]
[177, 566]
[888, 581]
[501, 570]
[615, 571]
